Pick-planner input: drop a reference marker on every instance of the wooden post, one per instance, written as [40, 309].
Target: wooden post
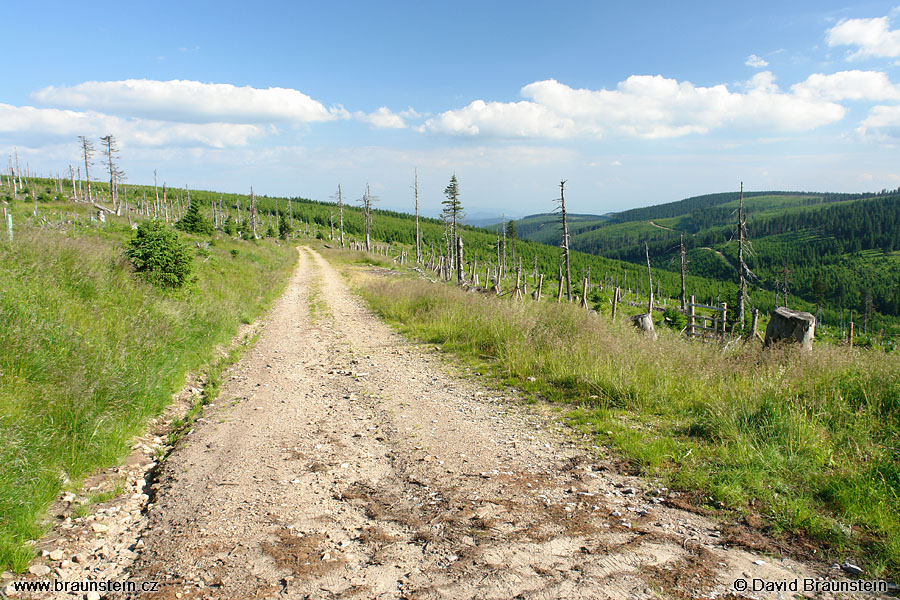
[755, 322]
[615, 301]
[850, 337]
[9, 227]
[540, 286]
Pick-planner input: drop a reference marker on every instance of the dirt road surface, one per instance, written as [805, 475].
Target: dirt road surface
[341, 461]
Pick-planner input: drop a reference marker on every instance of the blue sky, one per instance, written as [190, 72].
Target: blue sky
[632, 103]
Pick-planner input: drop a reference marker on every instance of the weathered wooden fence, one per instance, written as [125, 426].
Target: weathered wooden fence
[708, 325]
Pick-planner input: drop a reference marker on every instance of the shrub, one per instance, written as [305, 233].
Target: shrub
[284, 228]
[193, 221]
[158, 255]
[674, 319]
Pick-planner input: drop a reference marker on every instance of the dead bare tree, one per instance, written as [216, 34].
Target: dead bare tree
[253, 214]
[156, 190]
[367, 201]
[340, 202]
[743, 248]
[116, 175]
[649, 279]
[18, 171]
[561, 206]
[503, 229]
[683, 271]
[87, 152]
[74, 189]
[418, 234]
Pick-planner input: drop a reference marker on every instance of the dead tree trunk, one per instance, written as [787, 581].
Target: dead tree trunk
[565, 238]
[649, 279]
[518, 291]
[683, 273]
[460, 277]
[560, 290]
[742, 266]
[19, 171]
[87, 152]
[74, 189]
[252, 213]
[539, 288]
[418, 233]
[644, 322]
[584, 293]
[791, 325]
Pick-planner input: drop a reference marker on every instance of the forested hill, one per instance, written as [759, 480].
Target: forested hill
[691, 206]
[838, 252]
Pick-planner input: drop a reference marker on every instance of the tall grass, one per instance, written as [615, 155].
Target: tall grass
[809, 441]
[88, 353]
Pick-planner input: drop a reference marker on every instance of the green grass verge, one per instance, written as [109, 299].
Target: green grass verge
[89, 353]
[810, 442]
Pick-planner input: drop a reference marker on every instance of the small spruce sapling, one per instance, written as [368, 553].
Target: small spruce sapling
[159, 256]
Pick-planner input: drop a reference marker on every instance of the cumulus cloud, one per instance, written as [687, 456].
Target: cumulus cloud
[848, 85]
[52, 122]
[383, 118]
[756, 62]
[190, 101]
[642, 106]
[873, 37]
[882, 124]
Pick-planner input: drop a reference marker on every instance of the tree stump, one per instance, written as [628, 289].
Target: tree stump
[644, 322]
[791, 325]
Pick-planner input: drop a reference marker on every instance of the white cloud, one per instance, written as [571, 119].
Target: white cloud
[383, 118]
[874, 37]
[642, 106]
[756, 62]
[616, 163]
[191, 101]
[848, 85]
[882, 124]
[55, 123]
[502, 119]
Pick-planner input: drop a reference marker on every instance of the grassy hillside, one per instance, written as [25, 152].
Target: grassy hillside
[90, 352]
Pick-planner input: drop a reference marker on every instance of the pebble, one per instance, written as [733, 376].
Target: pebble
[100, 527]
[56, 555]
[851, 568]
[39, 570]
